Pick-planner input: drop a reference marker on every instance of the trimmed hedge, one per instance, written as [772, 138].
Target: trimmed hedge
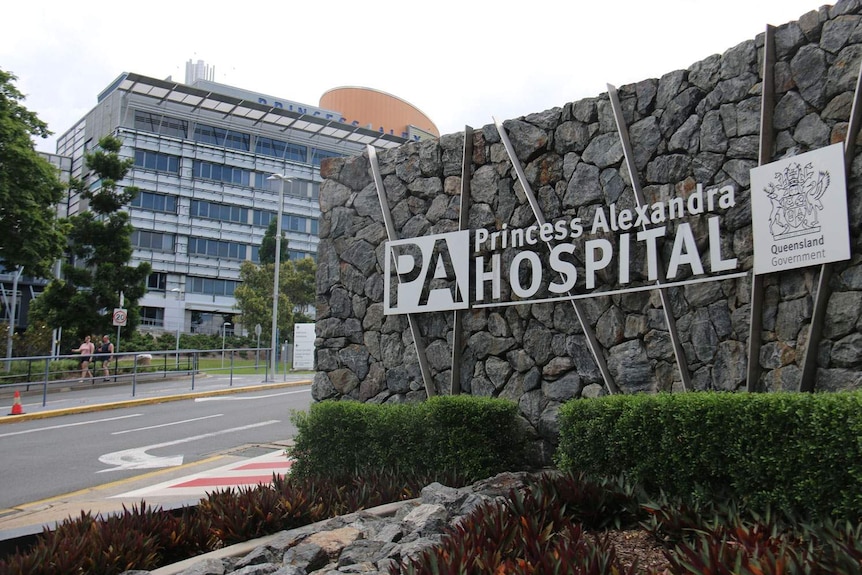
[794, 451]
[473, 437]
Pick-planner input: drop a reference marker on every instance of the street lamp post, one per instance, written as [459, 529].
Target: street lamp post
[180, 321]
[274, 339]
[10, 331]
[224, 327]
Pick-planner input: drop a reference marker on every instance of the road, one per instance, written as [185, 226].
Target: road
[48, 457]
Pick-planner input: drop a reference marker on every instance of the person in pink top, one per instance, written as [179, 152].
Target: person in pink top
[86, 350]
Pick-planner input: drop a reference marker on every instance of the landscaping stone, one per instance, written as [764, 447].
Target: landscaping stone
[363, 542]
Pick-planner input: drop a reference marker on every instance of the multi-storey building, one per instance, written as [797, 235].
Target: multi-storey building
[203, 158]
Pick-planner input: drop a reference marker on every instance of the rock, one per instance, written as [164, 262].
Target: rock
[368, 541]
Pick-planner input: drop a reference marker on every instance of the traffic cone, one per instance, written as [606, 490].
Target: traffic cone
[16, 405]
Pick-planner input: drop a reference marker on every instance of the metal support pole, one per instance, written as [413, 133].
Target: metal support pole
[463, 223]
[670, 321]
[767, 105]
[592, 342]
[279, 211]
[824, 290]
[430, 391]
[12, 320]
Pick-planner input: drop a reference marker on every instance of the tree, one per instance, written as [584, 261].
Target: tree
[295, 288]
[254, 298]
[299, 287]
[266, 253]
[31, 236]
[99, 251]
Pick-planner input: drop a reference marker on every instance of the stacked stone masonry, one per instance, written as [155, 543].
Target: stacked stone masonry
[691, 127]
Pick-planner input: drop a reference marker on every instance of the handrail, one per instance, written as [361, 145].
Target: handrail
[32, 373]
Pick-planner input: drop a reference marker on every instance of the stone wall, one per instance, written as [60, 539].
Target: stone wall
[691, 127]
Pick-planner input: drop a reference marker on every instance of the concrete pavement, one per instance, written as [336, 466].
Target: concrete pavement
[167, 488]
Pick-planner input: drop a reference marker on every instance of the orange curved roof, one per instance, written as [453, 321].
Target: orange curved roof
[377, 110]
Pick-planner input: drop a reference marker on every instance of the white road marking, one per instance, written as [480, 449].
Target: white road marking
[51, 427]
[166, 424]
[241, 398]
[138, 458]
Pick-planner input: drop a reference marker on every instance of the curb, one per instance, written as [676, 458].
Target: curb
[148, 401]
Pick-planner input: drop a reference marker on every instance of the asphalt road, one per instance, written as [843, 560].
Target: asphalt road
[43, 458]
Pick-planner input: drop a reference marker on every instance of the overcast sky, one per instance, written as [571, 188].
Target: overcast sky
[460, 62]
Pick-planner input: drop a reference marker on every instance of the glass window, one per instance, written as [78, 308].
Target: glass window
[298, 255]
[221, 173]
[153, 241]
[262, 218]
[153, 316]
[295, 188]
[157, 161]
[210, 286]
[217, 249]
[157, 281]
[317, 155]
[155, 202]
[221, 212]
[222, 137]
[299, 224]
[281, 149]
[161, 124]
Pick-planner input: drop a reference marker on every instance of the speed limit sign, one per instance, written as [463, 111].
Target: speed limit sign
[120, 317]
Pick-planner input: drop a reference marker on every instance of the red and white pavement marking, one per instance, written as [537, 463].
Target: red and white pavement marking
[248, 472]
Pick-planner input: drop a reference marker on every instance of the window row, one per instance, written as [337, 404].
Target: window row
[204, 247]
[227, 174]
[227, 138]
[289, 222]
[157, 161]
[221, 212]
[155, 202]
[217, 248]
[161, 124]
[153, 241]
[222, 137]
[221, 173]
[211, 286]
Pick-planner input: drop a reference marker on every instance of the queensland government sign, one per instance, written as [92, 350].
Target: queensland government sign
[561, 259]
[799, 211]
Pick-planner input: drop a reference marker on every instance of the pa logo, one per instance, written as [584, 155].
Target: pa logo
[430, 273]
[796, 197]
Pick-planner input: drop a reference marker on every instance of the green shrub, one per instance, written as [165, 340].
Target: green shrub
[799, 452]
[474, 437]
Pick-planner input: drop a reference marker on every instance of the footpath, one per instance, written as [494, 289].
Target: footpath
[167, 488]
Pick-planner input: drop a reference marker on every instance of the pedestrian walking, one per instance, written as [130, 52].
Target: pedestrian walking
[86, 350]
[106, 352]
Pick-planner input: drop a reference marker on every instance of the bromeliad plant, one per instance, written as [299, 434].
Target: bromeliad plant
[542, 529]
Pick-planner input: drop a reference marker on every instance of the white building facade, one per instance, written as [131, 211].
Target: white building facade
[202, 158]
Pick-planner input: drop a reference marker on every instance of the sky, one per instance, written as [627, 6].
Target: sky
[461, 62]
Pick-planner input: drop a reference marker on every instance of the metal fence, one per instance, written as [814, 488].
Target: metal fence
[55, 372]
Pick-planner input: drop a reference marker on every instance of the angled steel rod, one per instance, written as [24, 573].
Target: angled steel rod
[767, 106]
[393, 235]
[592, 342]
[670, 321]
[463, 224]
[824, 290]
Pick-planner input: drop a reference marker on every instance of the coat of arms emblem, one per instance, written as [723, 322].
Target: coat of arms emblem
[795, 195]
